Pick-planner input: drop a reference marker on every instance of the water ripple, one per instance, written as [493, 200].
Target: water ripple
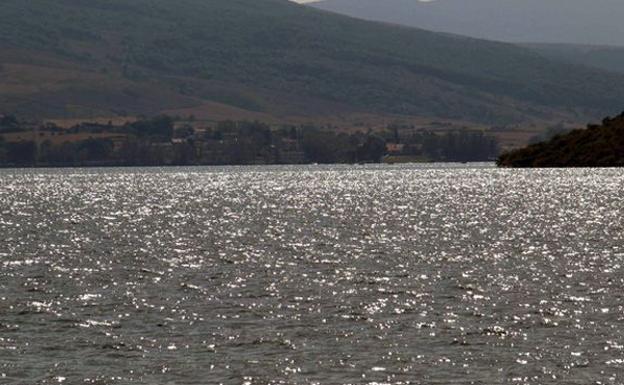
[311, 275]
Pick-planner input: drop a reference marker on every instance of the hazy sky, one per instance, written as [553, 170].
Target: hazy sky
[590, 22]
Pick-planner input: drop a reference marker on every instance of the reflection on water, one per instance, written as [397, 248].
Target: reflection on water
[312, 275]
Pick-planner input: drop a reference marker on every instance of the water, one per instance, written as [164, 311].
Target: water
[312, 275]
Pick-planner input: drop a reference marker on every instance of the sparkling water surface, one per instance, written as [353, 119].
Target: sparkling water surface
[312, 275]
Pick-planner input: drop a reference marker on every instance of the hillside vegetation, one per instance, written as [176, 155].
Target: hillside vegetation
[597, 146]
[607, 58]
[79, 58]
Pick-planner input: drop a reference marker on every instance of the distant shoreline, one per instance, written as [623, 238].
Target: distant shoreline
[423, 165]
[165, 141]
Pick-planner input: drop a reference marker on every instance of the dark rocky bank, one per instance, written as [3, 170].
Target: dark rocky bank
[596, 146]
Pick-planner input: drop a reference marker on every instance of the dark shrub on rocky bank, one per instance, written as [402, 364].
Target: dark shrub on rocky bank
[596, 146]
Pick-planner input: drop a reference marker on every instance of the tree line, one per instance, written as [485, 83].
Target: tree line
[163, 140]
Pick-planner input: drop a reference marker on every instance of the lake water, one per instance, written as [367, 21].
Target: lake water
[312, 275]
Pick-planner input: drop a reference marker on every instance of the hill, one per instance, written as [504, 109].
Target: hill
[587, 22]
[267, 59]
[597, 146]
[608, 58]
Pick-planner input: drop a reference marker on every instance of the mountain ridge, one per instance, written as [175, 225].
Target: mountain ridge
[608, 58]
[73, 58]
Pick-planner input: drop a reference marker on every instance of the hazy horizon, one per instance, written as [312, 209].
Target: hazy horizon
[516, 21]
